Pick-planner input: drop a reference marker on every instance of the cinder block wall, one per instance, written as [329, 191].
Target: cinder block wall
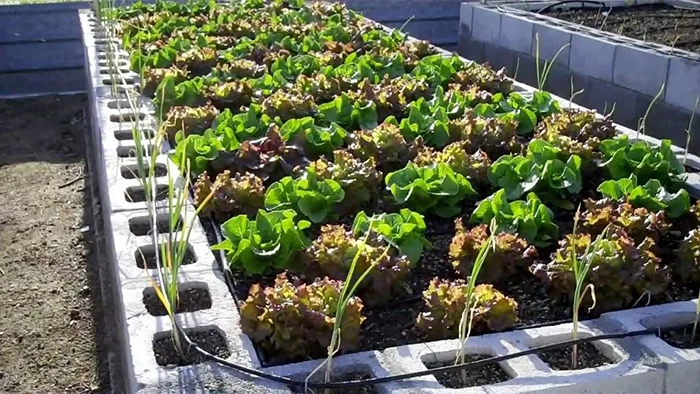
[612, 70]
[41, 51]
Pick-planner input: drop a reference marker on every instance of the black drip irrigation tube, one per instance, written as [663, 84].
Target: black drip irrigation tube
[393, 378]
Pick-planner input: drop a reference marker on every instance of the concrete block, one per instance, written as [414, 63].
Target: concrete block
[499, 57]
[605, 96]
[593, 57]
[470, 49]
[681, 364]
[438, 32]
[683, 83]
[664, 121]
[486, 25]
[466, 11]
[42, 82]
[641, 70]
[516, 33]
[551, 40]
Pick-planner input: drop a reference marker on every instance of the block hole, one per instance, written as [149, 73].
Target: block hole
[676, 328]
[132, 171]
[141, 225]
[192, 297]
[472, 377]
[138, 194]
[126, 117]
[130, 150]
[589, 354]
[128, 81]
[108, 71]
[146, 256]
[210, 338]
[127, 134]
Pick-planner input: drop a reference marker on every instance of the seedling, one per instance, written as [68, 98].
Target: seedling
[688, 131]
[542, 76]
[465, 323]
[642, 125]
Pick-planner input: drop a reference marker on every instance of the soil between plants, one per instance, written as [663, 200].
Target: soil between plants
[49, 291]
[210, 340]
[343, 378]
[661, 24]
[680, 338]
[587, 356]
[488, 374]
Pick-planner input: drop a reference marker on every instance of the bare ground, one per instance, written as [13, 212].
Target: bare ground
[49, 291]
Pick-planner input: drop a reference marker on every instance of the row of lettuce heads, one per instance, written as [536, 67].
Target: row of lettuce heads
[304, 113]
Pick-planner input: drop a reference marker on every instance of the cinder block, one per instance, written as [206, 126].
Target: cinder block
[466, 11]
[664, 121]
[486, 24]
[639, 69]
[606, 96]
[683, 83]
[499, 57]
[470, 49]
[593, 57]
[551, 40]
[516, 33]
[681, 364]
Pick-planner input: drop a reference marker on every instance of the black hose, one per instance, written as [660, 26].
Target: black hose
[599, 3]
[393, 378]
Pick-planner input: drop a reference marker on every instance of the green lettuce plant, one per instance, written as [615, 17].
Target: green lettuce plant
[404, 230]
[316, 140]
[652, 195]
[270, 243]
[540, 170]
[435, 188]
[529, 219]
[622, 159]
[314, 198]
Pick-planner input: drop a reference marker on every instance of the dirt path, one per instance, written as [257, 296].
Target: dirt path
[48, 291]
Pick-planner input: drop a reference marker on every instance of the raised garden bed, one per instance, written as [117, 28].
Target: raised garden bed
[659, 23]
[303, 125]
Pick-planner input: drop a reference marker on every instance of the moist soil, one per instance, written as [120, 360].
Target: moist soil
[488, 374]
[210, 340]
[347, 377]
[680, 338]
[394, 324]
[587, 356]
[49, 290]
[189, 300]
[661, 24]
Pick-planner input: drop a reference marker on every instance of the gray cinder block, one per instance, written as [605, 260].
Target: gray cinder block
[593, 57]
[551, 40]
[683, 82]
[516, 33]
[486, 25]
[640, 69]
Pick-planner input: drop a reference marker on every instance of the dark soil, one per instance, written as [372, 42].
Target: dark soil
[342, 378]
[681, 338]
[489, 374]
[661, 24]
[50, 307]
[394, 324]
[147, 255]
[210, 340]
[189, 300]
[588, 356]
